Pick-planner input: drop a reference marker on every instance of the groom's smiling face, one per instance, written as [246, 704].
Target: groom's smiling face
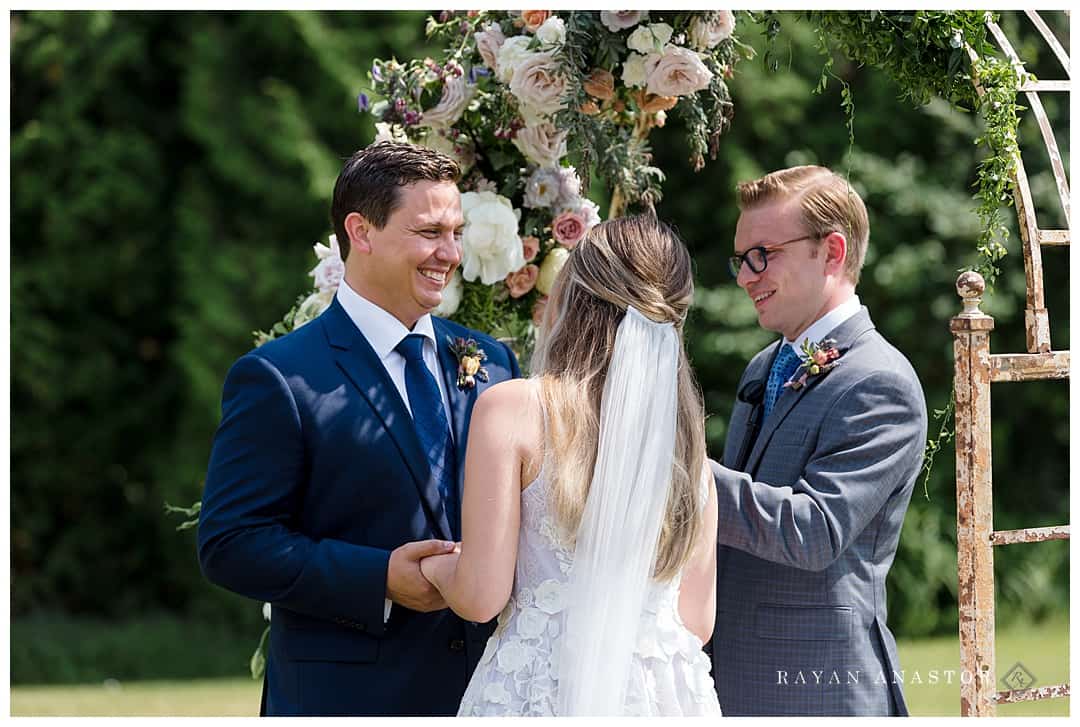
[790, 294]
[404, 267]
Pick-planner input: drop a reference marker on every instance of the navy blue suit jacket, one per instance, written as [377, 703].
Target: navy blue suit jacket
[316, 474]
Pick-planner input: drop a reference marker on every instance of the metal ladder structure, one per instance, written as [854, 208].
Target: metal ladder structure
[975, 370]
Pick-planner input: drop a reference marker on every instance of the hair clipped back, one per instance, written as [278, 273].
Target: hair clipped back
[630, 261]
[827, 201]
[372, 177]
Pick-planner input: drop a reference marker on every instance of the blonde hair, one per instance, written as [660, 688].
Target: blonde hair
[827, 201]
[636, 261]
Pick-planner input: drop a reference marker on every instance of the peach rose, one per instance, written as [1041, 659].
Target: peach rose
[600, 84]
[522, 281]
[534, 18]
[569, 228]
[531, 247]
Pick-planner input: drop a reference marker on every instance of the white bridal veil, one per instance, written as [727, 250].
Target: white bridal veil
[620, 527]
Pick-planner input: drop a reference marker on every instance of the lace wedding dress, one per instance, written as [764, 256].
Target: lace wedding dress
[519, 670]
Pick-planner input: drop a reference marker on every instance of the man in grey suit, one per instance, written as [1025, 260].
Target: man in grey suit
[819, 464]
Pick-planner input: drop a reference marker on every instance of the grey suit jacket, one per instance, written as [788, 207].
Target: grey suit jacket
[808, 528]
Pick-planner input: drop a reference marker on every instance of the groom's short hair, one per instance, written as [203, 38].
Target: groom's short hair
[828, 203]
[372, 177]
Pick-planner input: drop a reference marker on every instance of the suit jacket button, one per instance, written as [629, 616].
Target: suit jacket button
[457, 645]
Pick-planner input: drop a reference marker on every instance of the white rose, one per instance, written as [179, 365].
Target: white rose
[539, 84]
[543, 188]
[456, 95]
[389, 132]
[705, 35]
[511, 54]
[650, 38]
[491, 248]
[549, 270]
[552, 32]
[633, 73]
[512, 656]
[679, 72]
[451, 297]
[542, 143]
[531, 623]
[616, 20]
[313, 306]
[550, 595]
[488, 41]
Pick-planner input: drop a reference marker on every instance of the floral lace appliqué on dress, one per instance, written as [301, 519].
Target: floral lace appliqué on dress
[519, 670]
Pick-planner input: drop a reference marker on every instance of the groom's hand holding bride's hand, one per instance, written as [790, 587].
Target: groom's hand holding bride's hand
[438, 568]
[405, 584]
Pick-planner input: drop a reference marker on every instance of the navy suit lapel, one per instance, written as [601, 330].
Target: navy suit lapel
[361, 365]
[845, 335]
[461, 401]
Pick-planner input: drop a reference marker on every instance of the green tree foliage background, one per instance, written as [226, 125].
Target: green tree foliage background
[170, 172]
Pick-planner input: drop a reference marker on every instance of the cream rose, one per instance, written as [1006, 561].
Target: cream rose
[705, 35]
[552, 32]
[616, 20]
[488, 41]
[491, 248]
[633, 73]
[510, 55]
[542, 143]
[331, 268]
[650, 38]
[539, 85]
[549, 269]
[679, 72]
[451, 297]
[456, 95]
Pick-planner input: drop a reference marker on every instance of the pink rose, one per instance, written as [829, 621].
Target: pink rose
[538, 310]
[488, 42]
[679, 72]
[531, 247]
[569, 228]
[522, 281]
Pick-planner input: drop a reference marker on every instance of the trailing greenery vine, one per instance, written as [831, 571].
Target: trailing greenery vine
[928, 53]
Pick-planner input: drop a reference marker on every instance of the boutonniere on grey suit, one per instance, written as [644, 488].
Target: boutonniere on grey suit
[817, 360]
[469, 357]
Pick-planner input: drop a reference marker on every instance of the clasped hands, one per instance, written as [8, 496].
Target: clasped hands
[416, 570]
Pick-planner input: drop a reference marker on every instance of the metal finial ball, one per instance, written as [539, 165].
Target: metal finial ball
[970, 285]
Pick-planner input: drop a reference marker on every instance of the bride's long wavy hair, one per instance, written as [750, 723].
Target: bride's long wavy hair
[631, 261]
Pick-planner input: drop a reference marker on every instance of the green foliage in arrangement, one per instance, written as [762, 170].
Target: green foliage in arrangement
[171, 172]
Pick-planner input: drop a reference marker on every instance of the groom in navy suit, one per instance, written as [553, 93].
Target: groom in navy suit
[338, 463]
[818, 468]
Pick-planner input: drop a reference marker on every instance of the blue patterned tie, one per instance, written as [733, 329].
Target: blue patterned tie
[783, 367]
[429, 418]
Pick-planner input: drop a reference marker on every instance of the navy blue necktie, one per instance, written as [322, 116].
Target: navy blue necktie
[429, 418]
[783, 367]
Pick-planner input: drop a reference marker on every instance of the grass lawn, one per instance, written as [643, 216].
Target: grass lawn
[1042, 649]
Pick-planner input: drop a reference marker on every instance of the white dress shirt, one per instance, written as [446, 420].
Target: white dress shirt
[384, 332]
[821, 328]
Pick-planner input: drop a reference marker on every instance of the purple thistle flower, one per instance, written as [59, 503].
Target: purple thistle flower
[362, 102]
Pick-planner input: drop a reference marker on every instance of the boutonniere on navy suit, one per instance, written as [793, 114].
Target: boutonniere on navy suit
[318, 472]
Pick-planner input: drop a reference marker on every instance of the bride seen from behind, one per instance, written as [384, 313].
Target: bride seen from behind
[588, 524]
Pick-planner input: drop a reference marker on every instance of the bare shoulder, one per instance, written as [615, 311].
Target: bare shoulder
[511, 412]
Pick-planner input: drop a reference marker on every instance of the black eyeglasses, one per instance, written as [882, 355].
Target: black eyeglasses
[758, 257]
